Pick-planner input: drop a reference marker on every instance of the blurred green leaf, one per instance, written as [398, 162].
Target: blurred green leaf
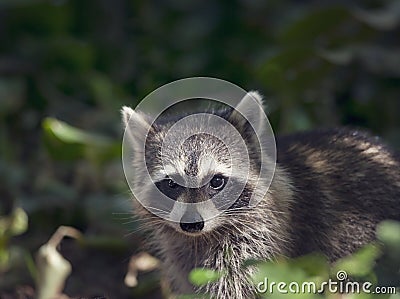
[395, 296]
[361, 263]
[200, 277]
[11, 225]
[65, 142]
[69, 134]
[313, 264]
[14, 224]
[290, 276]
[389, 233]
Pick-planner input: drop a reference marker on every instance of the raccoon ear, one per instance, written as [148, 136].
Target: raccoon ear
[136, 126]
[249, 111]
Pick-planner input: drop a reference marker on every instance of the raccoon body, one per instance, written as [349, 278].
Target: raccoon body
[346, 182]
[330, 189]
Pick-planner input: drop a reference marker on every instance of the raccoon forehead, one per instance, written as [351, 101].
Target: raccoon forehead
[194, 164]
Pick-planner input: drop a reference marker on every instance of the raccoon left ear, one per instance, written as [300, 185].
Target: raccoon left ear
[250, 111]
[136, 126]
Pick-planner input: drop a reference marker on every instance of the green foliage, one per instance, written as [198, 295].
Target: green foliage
[361, 263]
[65, 142]
[303, 277]
[200, 277]
[388, 268]
[388, 232]
[362, 266]
[305, 269]
[11, 225]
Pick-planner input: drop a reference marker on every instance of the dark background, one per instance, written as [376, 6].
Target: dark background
[318, 63]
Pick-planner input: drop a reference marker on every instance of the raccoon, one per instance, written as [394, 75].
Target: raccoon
[329, 190]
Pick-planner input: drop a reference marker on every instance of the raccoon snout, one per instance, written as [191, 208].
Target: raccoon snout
[192, 223]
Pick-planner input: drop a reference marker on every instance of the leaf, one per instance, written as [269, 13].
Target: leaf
[361, 263]
[19, 223]
[313, 264]
[395, 296]
[11, 225]
[14, 224]
[69, 134]
[65, 142]
[200, 277]
[281, 279]
[4, 258]
[389, 233]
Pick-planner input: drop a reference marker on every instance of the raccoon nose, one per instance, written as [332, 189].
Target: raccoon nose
[191, 222]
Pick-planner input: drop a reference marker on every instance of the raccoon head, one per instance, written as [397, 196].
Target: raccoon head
[208, 167]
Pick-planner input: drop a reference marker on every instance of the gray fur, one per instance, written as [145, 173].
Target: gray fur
[330, 189]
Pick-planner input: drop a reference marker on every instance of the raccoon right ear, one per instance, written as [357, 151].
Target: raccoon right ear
[250, 108]
[136, 126]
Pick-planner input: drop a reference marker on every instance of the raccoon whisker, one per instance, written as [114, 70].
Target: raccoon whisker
[154, 209]
[131, 221]
[248, 209]
[127, 215]
[157, 210]
[235, 212]
[127, 219]
[139, 221]
[155, 224]
[135, 231]
[161, 217]
[144, 219]
[142, 227]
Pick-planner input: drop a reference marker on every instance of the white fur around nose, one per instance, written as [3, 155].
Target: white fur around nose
[206, 209]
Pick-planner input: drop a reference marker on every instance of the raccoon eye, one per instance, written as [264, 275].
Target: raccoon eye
[170, 188]
[171, 184]
[217, 182]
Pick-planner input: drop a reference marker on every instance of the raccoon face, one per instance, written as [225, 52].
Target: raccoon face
[192, 222]
[198, 170]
